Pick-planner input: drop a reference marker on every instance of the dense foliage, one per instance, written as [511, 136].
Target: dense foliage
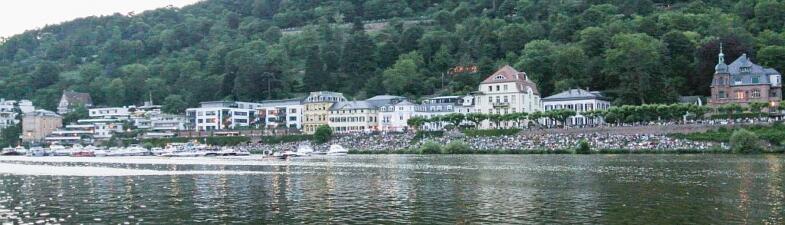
[640, 51]
[322, 134]
[773, 134]
[744, 141]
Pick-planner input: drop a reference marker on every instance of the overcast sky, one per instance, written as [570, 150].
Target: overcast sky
[17, 16]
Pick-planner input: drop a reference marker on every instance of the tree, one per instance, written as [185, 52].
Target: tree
[745, 141]
[174, 104]
[10, 135]
[454, 119]
[583, 147]
[415, 122]
[404, 76]
[476, 118]
[77, 113]
[636, 59]
[322, 134]
[773, 56]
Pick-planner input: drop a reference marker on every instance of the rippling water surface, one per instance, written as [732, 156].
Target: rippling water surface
[546, 189]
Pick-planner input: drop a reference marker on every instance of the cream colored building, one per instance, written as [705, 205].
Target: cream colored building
[353, 116]
[38, 124]
[316, 109]
[507, 91]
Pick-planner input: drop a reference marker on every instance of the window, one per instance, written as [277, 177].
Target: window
[756, 93]
[505, 87]
[497, 88]
[292, 118]
[490, 88]
[721, 94]
[745, 69]
[505, 99]
[740, 95]
[499, 77]
[755, 79]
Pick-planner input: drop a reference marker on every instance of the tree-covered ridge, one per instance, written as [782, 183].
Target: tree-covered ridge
[640, 51]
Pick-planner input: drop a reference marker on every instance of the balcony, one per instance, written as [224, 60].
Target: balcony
[501, 104]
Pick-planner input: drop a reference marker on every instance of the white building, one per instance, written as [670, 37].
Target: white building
[437, 106]
[11, 109]
[103, 129]
[280, 113]
[394, 117]
[507, 91]
[577, 100]
[109, 112]
[219, 115]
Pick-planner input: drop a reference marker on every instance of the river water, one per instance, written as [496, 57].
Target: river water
[474, 189]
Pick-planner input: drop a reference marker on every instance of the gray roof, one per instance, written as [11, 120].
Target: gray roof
[42, 112]
[575, 94]
[348, 105]
[282, 102]
[381, 100]
[755, 72]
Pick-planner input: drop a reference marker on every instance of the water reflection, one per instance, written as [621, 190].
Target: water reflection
[597, 189]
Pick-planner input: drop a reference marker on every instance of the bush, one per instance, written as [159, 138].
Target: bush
[456, 147]
[323, 134]
[745, 142]
[583, 147]
[430, 148]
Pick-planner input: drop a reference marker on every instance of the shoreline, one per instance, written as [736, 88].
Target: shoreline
[564, 152]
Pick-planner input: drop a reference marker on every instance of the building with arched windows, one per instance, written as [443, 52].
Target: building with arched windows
[743, 82]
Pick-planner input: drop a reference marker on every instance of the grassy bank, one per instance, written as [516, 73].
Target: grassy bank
[774, 134]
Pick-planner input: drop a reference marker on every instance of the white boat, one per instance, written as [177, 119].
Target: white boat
[59, 150]
[129, 151]
[337, 150]
[36, 152]
[233, 152]
[157, 151]
[304, 150]
[100, 152]
[19, 150]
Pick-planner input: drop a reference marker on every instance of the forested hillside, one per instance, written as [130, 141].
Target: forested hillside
[639, 51]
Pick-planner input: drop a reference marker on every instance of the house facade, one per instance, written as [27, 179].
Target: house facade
[71, 99]
[507, 91]
[577, 100]
[316, 109]
[743, 82]
[280, 113]
[394, 117]
[353, 116]
[219, 115]
[38, 124]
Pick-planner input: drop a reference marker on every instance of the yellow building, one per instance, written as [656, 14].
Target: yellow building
[37, 124]
[316, 109]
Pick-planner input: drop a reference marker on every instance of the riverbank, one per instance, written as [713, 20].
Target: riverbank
[560, 151]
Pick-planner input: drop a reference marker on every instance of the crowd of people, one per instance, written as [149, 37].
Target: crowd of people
[522, 141]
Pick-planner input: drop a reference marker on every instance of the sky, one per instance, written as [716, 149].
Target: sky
[17, 16]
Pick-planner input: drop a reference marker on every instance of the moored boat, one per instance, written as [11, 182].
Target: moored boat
[36, 152]
[304, 150]
[337, 150]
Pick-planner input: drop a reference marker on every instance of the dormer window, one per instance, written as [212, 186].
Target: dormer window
[499, 77]
[745, 69]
